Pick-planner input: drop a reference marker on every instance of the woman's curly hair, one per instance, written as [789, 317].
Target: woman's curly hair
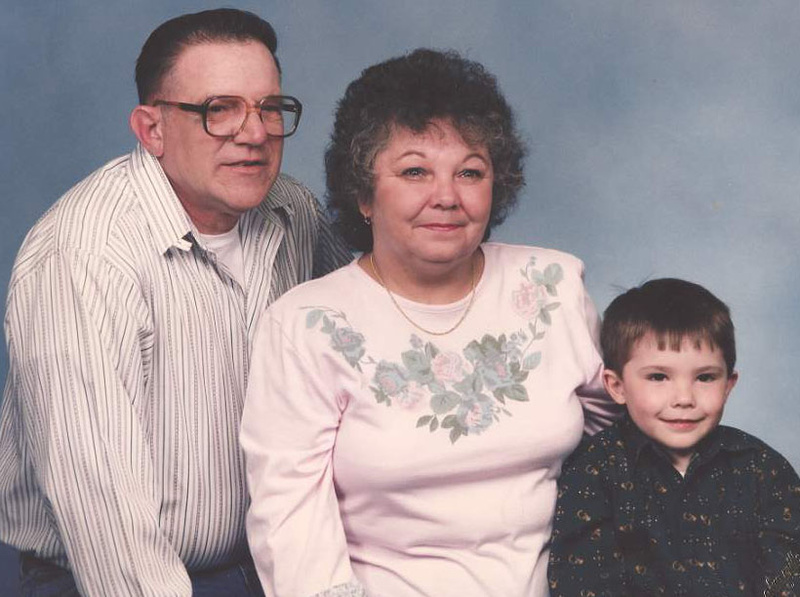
[411, 91]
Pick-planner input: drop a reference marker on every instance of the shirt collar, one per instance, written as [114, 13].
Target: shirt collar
[721, 439]
[171, 225]
[169, 222]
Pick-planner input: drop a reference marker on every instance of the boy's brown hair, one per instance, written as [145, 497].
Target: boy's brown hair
[672, 310]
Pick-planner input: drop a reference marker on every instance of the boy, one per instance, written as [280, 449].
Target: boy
[667, 502]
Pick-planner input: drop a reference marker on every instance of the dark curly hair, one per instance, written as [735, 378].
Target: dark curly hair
[411, 91]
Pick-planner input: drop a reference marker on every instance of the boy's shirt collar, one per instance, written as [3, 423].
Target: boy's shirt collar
[721, 439]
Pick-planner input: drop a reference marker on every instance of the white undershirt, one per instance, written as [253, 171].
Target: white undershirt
[227, 247]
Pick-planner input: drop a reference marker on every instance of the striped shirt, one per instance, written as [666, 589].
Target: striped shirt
[129, 352]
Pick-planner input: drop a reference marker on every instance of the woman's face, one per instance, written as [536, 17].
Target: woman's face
[432, 201]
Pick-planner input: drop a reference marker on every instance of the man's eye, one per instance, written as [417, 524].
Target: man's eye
[271, 107]
[656, 377]
[221, 107]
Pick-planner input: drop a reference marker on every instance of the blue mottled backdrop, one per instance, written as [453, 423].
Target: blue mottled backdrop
[665, 137]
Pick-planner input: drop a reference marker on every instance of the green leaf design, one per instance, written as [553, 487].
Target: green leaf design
[380, 395]
[455, 433]
[544, 316]
[517, 392]
[534, 275]
[553, 274]
[532, 361]
[415, 361]
[444, 402]
[449, 422]
[520, 376]
[552, 306]
[327, 325]
[434, 424]
[431, 351]
[470, 384]
[436, 387]
[424, 420]
[312, 317]
[498, 394]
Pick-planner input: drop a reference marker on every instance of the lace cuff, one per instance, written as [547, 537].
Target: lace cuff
[350, 589]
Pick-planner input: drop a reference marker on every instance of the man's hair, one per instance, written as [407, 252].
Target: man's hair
[672, 310]
[410, 92]
[165, 44]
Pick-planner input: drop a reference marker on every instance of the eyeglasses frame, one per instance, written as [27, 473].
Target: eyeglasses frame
[202, 109]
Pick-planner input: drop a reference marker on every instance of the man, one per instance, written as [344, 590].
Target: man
[130, 313]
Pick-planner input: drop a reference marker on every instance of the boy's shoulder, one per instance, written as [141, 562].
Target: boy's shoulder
[745, 448]
[607, 449]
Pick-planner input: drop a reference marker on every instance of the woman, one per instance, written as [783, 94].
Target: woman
[407, 415]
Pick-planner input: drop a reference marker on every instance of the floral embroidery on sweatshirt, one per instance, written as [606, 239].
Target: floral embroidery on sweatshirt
[465, 393]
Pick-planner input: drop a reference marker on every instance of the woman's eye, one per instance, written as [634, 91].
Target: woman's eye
[656, 377]
[471, 173]
[414, 172]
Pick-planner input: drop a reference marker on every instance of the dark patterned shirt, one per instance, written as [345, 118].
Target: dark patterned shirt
[629, 525]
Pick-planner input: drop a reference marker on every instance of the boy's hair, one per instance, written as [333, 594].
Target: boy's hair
[672, 310]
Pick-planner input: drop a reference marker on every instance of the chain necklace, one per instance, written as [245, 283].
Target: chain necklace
[408, 318]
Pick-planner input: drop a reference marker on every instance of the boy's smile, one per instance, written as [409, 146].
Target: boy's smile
[674, 397]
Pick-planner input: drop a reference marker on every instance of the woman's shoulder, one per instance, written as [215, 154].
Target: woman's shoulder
[328, 288]
[521, 256]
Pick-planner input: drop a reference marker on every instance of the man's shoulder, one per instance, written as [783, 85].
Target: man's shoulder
[288, 191]
[82, 219]
[79, 214]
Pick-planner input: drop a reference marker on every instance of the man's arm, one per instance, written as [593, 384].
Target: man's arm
[584, 557]
[74, 327]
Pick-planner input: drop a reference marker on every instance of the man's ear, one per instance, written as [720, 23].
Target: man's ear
[614, 386]
[147, 124]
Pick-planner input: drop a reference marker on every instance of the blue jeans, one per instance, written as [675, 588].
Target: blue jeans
[39, 578]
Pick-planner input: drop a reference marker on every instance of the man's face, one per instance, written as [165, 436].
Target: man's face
[218, 179]
[676, 397]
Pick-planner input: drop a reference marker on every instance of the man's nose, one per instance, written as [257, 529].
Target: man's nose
[253, 131]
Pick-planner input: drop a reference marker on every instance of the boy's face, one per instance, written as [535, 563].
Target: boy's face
[675, 397]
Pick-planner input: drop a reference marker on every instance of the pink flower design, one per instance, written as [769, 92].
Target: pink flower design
[448, 366]
[529, 299]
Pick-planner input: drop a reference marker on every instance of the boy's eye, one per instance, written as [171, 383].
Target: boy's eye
[656, 377]
[707, 377]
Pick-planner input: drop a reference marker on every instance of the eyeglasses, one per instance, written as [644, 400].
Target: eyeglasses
[225, 115]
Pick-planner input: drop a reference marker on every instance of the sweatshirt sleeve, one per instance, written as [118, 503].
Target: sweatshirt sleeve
[289, 427]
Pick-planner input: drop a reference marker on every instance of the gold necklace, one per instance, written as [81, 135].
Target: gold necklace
[408, 318]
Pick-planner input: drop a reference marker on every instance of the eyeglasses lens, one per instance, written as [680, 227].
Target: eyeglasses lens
[225, 116]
